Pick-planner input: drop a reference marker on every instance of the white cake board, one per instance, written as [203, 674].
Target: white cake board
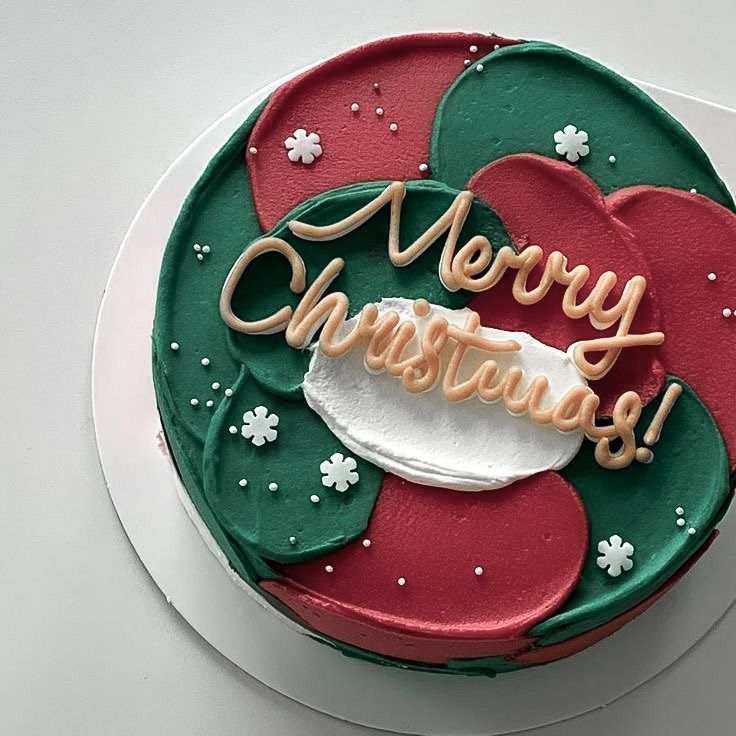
[145, 490]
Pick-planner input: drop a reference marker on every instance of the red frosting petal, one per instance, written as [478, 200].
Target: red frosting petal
[554, 205]
[413, 72]
[685, 237]
[530, 539]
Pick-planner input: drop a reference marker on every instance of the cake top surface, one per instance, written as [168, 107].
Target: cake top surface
[443, 350]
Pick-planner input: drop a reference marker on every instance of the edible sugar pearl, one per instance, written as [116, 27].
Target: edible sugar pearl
[329, 568]
[376, 86]
[253, 150]
[210, 403]
[205, 362]
[479, 570]
[423, 167]
[197, 247]
[366, 543]
[496, 46]
[611, 159]
[200, 257]
[174, 346]
[205, 249]
[292, 540]
[232, 429]
[273, 487]
[379, 111]
[473, 49]
[679, 511]
[681, 522]
[712, 276]
[691, 530]
[314, 498]
[242, 482]
[726, 312]
[479, 67]
[401, 581]
[466, 62]
[215, 385]
[393, 127]
[355, 107]
[693, 191]
[228, 392]
[194, 402]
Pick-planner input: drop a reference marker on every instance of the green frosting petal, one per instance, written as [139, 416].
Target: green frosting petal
[263, 517]
[689, 470]
[368, 276]
[527, 92]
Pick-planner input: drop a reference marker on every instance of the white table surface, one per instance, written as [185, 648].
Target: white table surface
[95, 101]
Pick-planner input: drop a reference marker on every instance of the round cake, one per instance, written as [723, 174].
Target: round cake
[443, 351]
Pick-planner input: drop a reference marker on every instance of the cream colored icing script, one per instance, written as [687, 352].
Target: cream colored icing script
[389, 343]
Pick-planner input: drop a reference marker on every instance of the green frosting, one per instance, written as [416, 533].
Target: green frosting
[690, 470]
[367, 277]
[528, 91]
[262, 520]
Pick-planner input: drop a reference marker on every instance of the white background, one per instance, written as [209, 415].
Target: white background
[95, 102]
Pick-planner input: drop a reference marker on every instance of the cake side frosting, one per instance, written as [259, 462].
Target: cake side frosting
[424, 174]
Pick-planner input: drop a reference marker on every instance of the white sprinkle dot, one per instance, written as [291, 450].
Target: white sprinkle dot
[194, 402]
[693, 191]
[292, 540]
[401, 581]
[273, 487]
[466, 62]
[479, 67]
[379, 111]
[423, 167]
[228, 392]
[473, 49]
[366, 543]
[712, 276]
[496, 46]
[174, 346]
[611, 159]
[681, 522]
[242, 482]
[679, 511]
[691, 530]
[314, 498]
[376, 86]
[479, 570]
[726, 312]
[253, 150]
[329, 568]
[215, 385]
[197, 247]
[355, 107]
[232, 429]
[200, 257]
[205, 361]
[210, 403]
[205, 249]
[393, 127]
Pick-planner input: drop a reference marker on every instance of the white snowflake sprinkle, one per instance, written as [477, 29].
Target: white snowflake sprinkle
[339, 471]
[258, 426]
[615, 554]
[571, 143]
[303, 146]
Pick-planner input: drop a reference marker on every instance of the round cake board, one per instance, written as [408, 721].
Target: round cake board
[182, 558]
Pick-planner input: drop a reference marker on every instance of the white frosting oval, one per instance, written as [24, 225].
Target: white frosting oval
[468, 445]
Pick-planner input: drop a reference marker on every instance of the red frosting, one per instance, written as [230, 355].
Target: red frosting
[530, 539]
[554, 205]
[685, 237]
[413, 72]
[563, 649]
